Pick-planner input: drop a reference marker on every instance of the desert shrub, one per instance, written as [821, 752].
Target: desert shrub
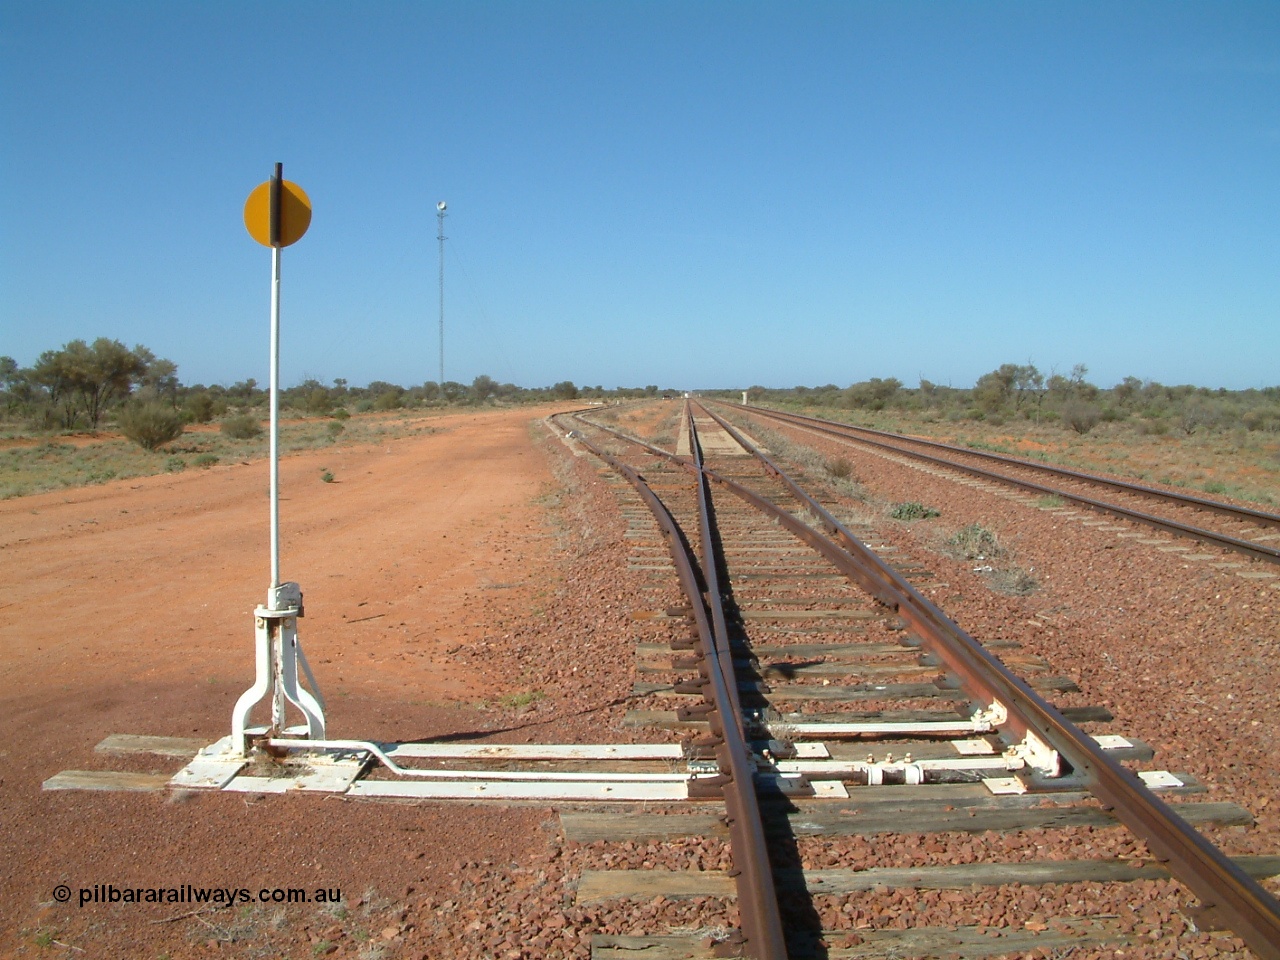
[43, 419]
[840, 468]
[317, 401]
[206, 460]
[1261, 420]
[975, 542]
[203, 407]
[1080, 417]
[334, 429]
[342, 413]
[175, 464]
[388, 400]
[151, 425]
[911, 510]
[1014, 582]
[241, 427]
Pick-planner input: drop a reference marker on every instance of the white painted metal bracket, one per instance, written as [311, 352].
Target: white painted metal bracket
[982, 721]
[1037, 755]
[277, 655]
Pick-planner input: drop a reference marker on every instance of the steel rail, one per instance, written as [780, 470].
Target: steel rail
[762, 935]
[758, 909]
[1255, 550]
[1228, 895]
[1200, 503]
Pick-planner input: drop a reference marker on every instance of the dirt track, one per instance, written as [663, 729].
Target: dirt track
[127, 609]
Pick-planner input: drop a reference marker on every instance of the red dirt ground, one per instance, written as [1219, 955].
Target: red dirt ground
[127, 608]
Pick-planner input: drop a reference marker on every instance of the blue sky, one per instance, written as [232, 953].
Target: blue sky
[693, 194]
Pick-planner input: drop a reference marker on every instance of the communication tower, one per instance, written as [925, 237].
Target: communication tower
[440, 208]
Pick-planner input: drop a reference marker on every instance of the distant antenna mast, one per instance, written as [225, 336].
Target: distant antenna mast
[440, 208]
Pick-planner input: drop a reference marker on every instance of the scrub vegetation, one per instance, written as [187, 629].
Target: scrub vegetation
[93, 412]
[1215, 441]
[1015, 393]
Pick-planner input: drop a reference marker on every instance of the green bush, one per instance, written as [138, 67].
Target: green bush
[342, 413]
[911, 510]
[206, 460]
[151, 425]
[241, 427]
[317, 401]
[388, 400]
[203, 407]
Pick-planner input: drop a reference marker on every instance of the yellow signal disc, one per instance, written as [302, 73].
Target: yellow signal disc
[295, 213]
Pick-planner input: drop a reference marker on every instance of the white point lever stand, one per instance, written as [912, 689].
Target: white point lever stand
[278, 653]
[276, 214]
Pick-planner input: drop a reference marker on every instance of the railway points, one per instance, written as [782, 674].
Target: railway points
[835, 715]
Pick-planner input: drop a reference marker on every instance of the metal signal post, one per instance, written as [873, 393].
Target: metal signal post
[276, 215]
[274, 387]
[440, 215]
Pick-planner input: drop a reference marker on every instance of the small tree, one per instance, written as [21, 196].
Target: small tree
[159, 379]
[482, 388]
[83, 378]
[151, 425]
[873, 394]
[993, 390]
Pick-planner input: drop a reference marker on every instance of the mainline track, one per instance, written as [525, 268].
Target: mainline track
[953, 458]
[1053, 754]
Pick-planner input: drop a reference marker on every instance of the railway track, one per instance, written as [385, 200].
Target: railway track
[826, 701]
[855, 776]
[1254, 533]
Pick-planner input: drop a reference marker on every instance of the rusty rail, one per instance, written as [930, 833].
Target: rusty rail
[761, 936]
[1255, 550]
